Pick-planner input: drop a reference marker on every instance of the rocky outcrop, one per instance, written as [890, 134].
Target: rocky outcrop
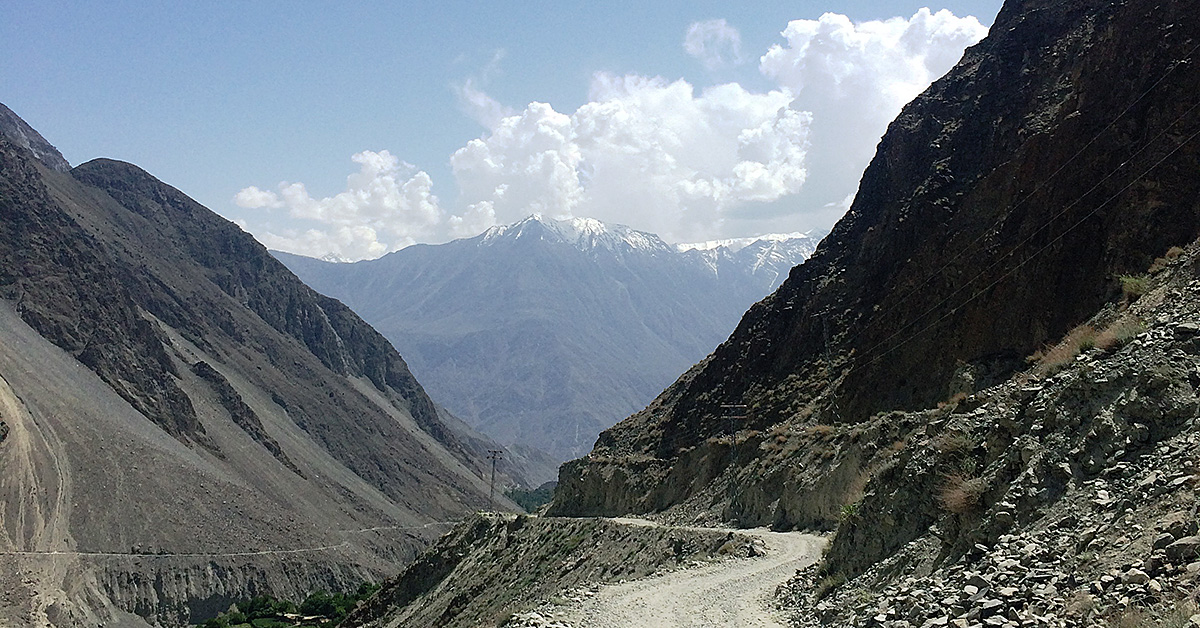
[65, 285]
[242, 414]
[1001, 208]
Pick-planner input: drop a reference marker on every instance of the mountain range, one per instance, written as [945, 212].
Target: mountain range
[183, 423]
[545, 332]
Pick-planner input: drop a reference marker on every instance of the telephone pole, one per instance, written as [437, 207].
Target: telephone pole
[494, 455]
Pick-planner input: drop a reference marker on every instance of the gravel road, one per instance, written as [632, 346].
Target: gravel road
[733, 593]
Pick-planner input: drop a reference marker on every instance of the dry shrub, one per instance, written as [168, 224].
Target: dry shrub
[953, 401]
[953, 442]
[1171, 255]
[1050, 361]
[960, 494]
[1119, 333]
[828, 585]
[1080, 604]
[822, 431]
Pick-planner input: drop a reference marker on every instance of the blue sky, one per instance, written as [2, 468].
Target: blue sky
[215, 97]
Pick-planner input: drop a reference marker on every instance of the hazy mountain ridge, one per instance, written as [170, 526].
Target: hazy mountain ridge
[170, 388]
[546, 331]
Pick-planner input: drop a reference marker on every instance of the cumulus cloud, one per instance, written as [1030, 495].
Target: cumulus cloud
[855, 78]
[644, 151]
[714, 43]
[386, 206]
[655, 154]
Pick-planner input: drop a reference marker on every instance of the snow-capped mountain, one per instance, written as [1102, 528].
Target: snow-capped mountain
[545, 332]
[586, 234]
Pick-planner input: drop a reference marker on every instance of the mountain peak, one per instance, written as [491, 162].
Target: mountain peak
[586, 234]
[23, 135]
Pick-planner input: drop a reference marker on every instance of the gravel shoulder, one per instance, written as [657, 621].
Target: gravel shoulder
[734, 593]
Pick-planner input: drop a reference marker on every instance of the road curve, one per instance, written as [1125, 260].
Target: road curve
[732, 593]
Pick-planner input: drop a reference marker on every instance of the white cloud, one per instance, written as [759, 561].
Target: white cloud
[855, 78]
[386, 206]
[475, 102]
[337, 243]
[653, 153]
[254, 198]
[645, 151]
[714, 43]
[481, 107]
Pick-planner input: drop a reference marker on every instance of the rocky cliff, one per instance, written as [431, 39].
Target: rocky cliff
[187, 423]
[1001, 209]
[1066, 494]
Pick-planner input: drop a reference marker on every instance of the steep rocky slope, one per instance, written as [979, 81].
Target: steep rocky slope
[1064, 496]
[185, 422]
[546, 331]
[999, 212]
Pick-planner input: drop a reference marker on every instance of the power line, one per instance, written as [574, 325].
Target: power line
[1007, 274]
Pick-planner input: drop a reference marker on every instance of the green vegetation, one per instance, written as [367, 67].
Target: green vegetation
[1134, 286]
[318, 610]
[531, 500]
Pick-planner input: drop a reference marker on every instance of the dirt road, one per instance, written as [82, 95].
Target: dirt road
[733, 593]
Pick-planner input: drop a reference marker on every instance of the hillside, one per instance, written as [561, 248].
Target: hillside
[185, 423]
[1000, 210]
[546, 331]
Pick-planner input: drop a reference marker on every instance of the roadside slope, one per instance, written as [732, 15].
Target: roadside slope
[491, 567]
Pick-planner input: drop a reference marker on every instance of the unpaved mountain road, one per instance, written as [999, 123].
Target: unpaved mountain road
[732, 593]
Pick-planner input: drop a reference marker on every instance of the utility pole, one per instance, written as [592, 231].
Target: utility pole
[494, 455]
[732, 412]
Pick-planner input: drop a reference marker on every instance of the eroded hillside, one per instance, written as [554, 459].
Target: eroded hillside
[186, 423]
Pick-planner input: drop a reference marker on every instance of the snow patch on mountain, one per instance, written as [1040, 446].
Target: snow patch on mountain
[737, 244]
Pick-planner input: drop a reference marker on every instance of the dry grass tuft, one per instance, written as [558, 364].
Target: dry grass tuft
[953, 442]
[1078, 340]
[960, 494]
[1119, 333]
